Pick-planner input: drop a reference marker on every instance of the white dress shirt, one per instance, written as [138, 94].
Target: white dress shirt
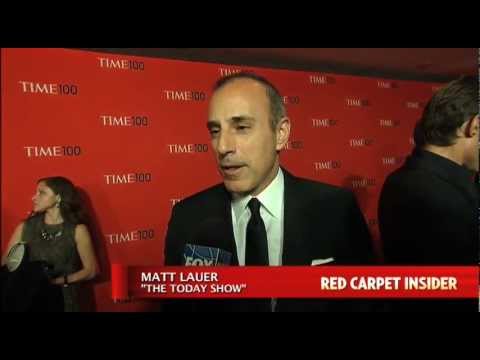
[271, 211]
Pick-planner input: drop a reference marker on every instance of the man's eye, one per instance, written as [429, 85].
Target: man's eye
[242, 127]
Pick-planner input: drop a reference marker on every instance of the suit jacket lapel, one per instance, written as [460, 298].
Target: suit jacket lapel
[224, 210]
[295, 233]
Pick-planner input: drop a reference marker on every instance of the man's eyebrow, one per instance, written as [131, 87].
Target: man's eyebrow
[234, 119]
[240, 118]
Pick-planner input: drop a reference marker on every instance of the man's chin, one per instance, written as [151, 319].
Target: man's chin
[237, 188]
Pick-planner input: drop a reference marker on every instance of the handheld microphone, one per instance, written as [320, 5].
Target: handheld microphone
[211, 246]
[16, 256]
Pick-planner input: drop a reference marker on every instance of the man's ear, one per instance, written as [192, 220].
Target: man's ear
[282, 132]
[469, 128]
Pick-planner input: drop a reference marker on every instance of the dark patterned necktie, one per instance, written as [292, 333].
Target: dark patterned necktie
[256, 249]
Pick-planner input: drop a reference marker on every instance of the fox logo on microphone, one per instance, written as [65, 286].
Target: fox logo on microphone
[197, 255]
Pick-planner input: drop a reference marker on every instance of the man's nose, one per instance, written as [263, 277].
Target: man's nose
[226, 143]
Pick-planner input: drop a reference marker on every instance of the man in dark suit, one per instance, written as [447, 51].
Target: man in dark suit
[428, 210]
[271, 217]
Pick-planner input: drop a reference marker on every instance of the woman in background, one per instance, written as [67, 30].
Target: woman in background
[56, 233]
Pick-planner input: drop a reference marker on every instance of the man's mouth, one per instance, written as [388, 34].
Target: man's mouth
[231, 170]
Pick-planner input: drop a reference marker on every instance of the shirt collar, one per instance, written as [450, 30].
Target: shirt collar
[271, 198]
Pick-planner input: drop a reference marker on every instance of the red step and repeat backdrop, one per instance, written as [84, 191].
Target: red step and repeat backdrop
[131, 133]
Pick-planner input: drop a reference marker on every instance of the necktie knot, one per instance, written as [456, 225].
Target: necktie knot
[254, 206]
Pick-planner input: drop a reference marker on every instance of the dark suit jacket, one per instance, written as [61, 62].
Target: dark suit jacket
[320, 221]
[428, 215]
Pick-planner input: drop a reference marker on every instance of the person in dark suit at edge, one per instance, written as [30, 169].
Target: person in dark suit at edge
[303, 222]
[428, 208]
